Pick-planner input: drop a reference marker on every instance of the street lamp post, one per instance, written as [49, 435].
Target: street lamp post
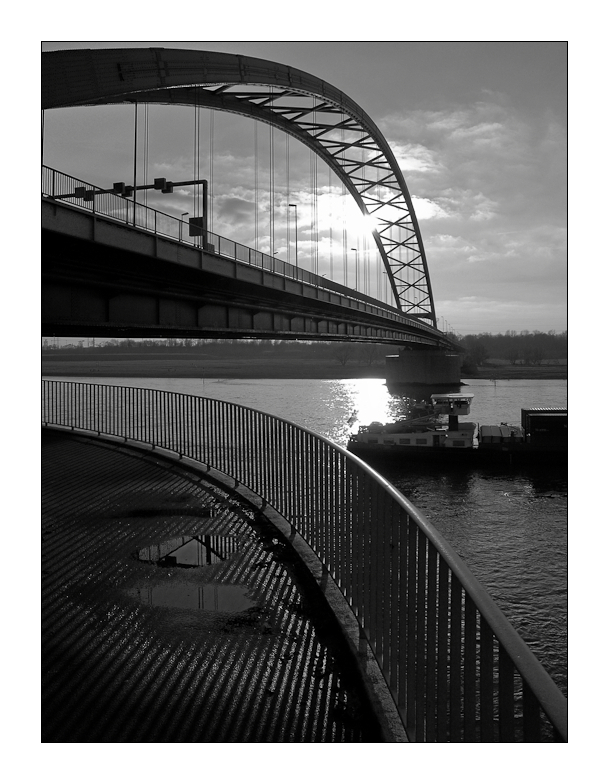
[296, 225]
[356, 268]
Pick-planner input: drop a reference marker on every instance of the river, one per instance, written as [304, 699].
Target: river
[509, 525]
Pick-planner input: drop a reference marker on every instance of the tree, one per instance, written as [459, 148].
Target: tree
[537, 355]
[369, 353]
[513, 355]
[342, 353]
[476, 349]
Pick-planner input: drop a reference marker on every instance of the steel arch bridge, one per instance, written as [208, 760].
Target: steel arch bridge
[313, 111]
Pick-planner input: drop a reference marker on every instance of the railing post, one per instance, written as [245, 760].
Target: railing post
[487, 659]
[506, 698]
[442, 709]
[431, 634]
[530, 716]
[456, 660]
[469, 671]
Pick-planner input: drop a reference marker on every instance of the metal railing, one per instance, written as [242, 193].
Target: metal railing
[58, 185]
[458, 671]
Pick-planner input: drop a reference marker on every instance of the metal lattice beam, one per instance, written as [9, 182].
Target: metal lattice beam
[309, 109]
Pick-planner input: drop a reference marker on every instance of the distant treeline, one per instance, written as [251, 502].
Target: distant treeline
[522, 348]
[362, 353]
[518, 348]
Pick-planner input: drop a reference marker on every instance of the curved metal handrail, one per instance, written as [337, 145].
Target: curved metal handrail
[448, 653]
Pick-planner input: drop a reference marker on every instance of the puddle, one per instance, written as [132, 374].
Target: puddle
[189, 551]
[212, 597]
[192, 552]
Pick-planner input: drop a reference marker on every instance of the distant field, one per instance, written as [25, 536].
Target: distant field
[193, 367]
[189, 365]
[503, 370]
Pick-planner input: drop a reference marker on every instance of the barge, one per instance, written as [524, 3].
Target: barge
[433, 431]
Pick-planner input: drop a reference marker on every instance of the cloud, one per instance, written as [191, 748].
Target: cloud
[414, 157]
[234, 209]
[474, 314]
[488, 185]
[426, 208]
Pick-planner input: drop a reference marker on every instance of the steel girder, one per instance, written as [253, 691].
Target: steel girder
[309, 109]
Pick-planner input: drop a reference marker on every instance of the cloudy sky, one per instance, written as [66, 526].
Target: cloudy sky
[479, 130]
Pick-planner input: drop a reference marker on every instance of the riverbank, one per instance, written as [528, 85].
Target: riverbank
[501, 372]
[191, 365]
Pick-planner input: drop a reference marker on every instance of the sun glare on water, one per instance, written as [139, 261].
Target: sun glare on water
[370, 401]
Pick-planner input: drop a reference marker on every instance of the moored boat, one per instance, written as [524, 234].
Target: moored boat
[433, 431]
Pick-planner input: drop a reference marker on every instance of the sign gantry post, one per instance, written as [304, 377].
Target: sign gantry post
[197, 226]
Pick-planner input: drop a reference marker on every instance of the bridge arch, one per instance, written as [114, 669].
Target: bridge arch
[315, 112]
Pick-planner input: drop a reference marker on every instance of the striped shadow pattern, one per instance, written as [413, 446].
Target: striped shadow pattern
[134, 650]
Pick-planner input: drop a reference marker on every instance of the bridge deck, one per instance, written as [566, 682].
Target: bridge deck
[236, 650]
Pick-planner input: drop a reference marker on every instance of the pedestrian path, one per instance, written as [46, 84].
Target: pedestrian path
[172, 612]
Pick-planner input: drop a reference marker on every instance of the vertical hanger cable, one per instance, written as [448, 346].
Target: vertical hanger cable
[210, 193]
[256, 184]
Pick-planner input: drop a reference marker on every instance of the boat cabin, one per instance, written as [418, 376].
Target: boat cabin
[452, 403]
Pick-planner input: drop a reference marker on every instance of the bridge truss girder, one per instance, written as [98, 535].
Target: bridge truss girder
[309, 109]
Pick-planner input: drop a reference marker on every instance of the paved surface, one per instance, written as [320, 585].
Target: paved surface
[173, 613]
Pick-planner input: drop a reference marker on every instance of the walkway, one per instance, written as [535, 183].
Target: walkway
[172, 613]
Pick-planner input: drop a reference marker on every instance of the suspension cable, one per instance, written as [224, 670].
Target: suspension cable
[331, 219]
[364, 232]
[361, 272]
[344, 204]
[312, 210]
[366, 264]
[196, 151]
[314, 213]
[134, 162]
[379, 276]
[343, 201]
[377, 256]
[287, 201]
[271, 189]
[146, 149]
[210, 193]
[256, 183]
[316, 202]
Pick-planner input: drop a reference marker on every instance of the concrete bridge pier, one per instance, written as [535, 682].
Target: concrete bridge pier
[436, 367]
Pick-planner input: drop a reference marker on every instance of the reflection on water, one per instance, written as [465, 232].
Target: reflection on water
[189, 551]
[212, 597]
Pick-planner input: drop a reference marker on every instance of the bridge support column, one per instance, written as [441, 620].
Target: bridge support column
[437, 367]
